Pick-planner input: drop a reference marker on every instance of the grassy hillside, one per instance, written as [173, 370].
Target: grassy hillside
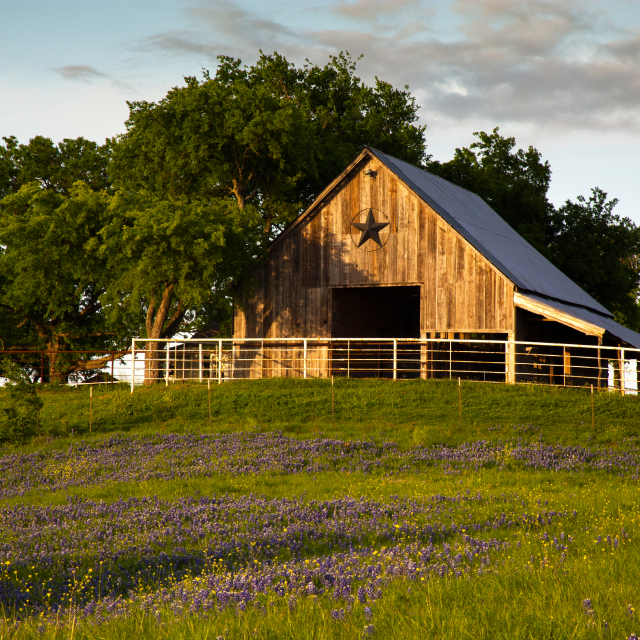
[275, 521]
[408, 411]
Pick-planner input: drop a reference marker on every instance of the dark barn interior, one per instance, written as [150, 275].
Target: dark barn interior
[375, 312]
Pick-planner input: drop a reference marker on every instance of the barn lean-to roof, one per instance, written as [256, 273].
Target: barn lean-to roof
[542, 285]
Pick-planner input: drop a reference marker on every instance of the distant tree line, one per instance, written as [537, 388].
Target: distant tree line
[142, 236]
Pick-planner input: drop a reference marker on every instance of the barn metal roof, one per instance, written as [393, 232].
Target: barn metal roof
[485, 230]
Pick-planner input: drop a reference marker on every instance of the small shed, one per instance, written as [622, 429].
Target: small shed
[389, 250]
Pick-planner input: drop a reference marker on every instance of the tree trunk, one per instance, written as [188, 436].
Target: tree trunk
[160, 326]
[57, 370]
[153, 363]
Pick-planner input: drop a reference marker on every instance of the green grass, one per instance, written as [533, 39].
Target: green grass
[522, 599]
[404, 411]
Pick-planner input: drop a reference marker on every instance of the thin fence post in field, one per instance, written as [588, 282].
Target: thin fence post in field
[133, 363]
[333, 415]
[219, 361]
[593, 421]
[460, 403]
[623, 382]
[200, 362]
[209, 395]
[90, 408]
[113, 356]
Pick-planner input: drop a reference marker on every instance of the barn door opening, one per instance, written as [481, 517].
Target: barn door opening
[376, 312]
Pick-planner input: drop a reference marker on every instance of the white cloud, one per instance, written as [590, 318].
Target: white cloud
[552, 63]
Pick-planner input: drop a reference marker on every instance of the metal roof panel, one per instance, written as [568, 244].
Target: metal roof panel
[485, 230]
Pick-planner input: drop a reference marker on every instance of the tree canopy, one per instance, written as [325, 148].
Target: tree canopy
[51, 276]
[270, 134]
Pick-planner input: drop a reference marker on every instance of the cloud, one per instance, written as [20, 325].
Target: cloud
[81, 72]
[85, 73]
[374, 11]
[544, 63]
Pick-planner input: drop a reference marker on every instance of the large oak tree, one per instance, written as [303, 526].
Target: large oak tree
[272, 134]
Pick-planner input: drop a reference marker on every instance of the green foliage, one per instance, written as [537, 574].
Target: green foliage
[20, 410]
[172, 260]
[54, 167]
[601, 251]
[51, 273]
[271, 134]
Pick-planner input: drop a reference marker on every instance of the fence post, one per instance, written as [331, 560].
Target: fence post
[333, 415]
[200, 362]
[90, 408]
[460, 403]
[623, 382]
[167, 362]
[112, 359]
[304, 349]
[593, 421]
[450, 358]
[133, 363]
[395, 359]
[219, 361]
[209, 395]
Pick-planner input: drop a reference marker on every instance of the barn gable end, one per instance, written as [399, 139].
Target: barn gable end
[302, 285]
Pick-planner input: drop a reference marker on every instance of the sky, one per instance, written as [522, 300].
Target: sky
[560, 75]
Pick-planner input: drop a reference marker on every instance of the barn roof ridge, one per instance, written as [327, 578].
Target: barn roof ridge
[491, 236]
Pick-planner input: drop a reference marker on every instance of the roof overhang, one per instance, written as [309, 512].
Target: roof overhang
[579, 318]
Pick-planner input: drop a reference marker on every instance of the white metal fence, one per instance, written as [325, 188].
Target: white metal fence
[221, 360]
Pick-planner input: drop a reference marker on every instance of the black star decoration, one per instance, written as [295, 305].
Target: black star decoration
[370, 229]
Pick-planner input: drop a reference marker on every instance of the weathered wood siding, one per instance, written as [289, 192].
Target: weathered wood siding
[460, 290]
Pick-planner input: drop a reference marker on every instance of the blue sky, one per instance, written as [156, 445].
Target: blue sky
[563, 76]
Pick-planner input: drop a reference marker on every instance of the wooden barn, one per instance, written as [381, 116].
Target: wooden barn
[389, 251]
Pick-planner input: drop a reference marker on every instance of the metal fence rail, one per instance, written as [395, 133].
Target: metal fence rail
[221, 360]
[71, 367]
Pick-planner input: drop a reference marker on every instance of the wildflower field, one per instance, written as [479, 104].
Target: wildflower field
[347, 529]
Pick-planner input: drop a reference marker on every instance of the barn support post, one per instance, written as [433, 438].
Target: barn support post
[133, 363]
[623, 382]
[510, 359]
[200, 362]
[219, 361]
[395, 359]
[304, 356]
